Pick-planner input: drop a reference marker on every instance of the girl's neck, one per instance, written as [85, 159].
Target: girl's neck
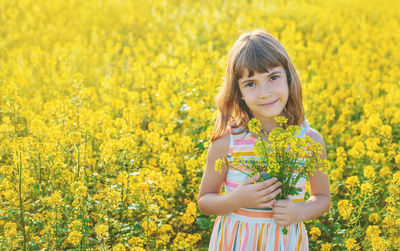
[268, 125]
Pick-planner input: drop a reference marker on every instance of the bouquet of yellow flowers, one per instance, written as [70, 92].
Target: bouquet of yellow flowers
[284, 155]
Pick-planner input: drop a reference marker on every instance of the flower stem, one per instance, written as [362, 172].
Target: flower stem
[21, 203]
[240, 170]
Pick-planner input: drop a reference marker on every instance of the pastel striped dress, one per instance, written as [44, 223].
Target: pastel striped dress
[255, 229]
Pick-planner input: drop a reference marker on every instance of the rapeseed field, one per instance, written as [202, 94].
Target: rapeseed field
[107, 108]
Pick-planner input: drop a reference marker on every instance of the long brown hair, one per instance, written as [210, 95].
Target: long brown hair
[256, 51]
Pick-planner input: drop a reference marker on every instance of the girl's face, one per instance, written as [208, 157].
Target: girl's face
[265, 94]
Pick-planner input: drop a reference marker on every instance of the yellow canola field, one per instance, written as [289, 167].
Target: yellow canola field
[107, 108]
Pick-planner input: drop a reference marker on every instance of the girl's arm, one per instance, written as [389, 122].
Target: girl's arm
[246, 194]
[209, 200]
[320, 199]
[287, 212]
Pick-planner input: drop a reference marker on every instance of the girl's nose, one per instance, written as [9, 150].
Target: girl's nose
[265, 89]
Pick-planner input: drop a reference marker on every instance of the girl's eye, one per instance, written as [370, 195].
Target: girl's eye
[275, 76]
[249, 84]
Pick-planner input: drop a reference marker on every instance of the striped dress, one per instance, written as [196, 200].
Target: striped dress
[255, 229]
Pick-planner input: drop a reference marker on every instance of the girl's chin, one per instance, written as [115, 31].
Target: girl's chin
[270, 114]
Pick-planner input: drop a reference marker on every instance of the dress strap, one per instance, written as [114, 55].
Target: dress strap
[307, 128]
[231, 142]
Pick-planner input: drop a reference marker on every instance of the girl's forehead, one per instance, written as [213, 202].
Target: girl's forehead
[246, 73]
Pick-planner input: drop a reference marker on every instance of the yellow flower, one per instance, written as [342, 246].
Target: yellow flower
[326, 246]
[113, 197]
[389, 200]
[352, 182]
[369, 172]
[254, 126]
[358, 150]
[136, 241]
[374, 217]
[185, 241]
[337, 173]
[75, 224]
[218, 165]
[397, 159]
[387, 219]
[385, 171]
[149, 227]
[366, 188]
[236, 161]
[102, 231]
[377, 242]
[350, 243]
[119, 247]
[341, 157]
[373, 231]
[10, 229]
[123, 178]
[74, 237]
[190, 214]
[166, 232]
[281, 120]
[55, 200]
[79, 189]
[396, 178]
[315, 233]
[345, 208]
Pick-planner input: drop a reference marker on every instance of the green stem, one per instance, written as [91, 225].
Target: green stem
[56, 229]
[264, 148]
[21, 204]
[77, 175]
[239, 170]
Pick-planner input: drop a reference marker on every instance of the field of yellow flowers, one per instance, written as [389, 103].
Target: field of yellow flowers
[107, 108]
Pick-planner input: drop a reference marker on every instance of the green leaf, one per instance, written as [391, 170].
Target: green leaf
[203, 223]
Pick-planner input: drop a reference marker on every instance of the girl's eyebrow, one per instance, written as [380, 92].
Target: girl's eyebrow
[250, 79]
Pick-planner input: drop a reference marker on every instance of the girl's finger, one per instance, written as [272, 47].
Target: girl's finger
[271, 188]
[269, 204]
[271, 196]
[278, 210]
[252, 179]
[279, 216]
[266, 183]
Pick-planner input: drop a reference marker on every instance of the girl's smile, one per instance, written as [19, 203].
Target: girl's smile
[269, 104]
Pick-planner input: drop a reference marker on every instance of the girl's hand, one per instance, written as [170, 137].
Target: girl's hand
[259, 195]
[286, 212]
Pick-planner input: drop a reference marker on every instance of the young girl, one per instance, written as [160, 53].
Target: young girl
[260, 82]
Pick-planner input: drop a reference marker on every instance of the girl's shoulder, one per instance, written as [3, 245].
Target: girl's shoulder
[313, 133]
[219, 148]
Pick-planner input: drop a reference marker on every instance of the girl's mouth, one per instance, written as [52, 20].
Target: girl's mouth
[269, 104]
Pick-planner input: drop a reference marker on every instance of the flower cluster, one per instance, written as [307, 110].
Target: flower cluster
[279, 156]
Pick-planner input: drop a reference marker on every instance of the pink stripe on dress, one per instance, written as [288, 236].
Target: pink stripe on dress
[243, 142]
[246, 236]
[255, 234]
[230, 184]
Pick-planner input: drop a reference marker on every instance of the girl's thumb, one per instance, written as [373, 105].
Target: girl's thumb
[255, 177]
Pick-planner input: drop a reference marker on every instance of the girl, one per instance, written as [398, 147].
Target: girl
[260, 82]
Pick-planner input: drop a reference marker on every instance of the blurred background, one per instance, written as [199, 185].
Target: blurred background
[107, 109]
